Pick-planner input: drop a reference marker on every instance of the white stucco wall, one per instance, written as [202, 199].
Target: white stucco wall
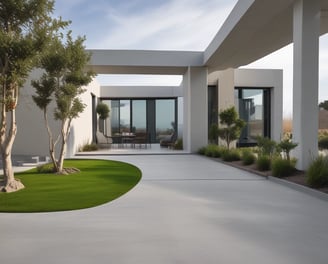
[32, 138]
[228, 79]
[81, 132]
[266, 78]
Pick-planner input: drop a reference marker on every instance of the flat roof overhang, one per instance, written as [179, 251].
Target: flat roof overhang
[254, 29]
[144, 61]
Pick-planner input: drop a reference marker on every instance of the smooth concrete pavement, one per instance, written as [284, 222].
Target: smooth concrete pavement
[186, 209]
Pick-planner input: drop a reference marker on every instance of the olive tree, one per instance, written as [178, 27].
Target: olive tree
[62, 82]
[26, 26]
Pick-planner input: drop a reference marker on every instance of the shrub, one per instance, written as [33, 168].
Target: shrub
[213, 151]
[230, 155]
[323, 142]
[247, 157]
[282, 167]
[317, 173]
[178, 144]
[266, 146]
[201, 151]
[286, 145]
[46, 168]
[263, 163]
[232, 125]
[90, 147]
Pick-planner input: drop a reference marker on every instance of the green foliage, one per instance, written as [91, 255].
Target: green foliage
[90, 147]
[65, 76]
[102, 110]
[324, 105]
[286, 145]
[46, 168]
[317, 173]
[266, 146]
[213, 133]
[282, 167]
[26, 28]
[213, 150]
[247, 157]
[263, 163]
[230, 155]
[178, 145]
[323, 142]
[232, 125]
[201, 151]
[98, 182]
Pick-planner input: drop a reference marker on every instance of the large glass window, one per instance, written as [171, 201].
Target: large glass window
[125, 116]
[254, 108]
[114, 116]
[165, 118]
[139, 116]
[156, 117]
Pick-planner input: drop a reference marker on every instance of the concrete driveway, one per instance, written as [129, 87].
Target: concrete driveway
[187, 209]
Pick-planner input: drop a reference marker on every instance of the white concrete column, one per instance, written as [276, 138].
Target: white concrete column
[195, 116]
[305, 91]
[226, 95]
[226, 89]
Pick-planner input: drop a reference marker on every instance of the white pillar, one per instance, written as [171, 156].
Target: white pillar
[195, 117]
[305, 91]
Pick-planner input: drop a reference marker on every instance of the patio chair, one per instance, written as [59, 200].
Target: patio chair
[103, 140]
[141, 139]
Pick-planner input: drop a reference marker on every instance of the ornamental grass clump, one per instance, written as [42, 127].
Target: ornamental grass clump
[282, 167]
[230, 155]
[263, 163]
[90, 147]
[247, 157]
[317, 173]
[201, 151]
[213, 151]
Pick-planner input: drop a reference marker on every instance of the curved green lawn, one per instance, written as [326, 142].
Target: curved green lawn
[98, 182]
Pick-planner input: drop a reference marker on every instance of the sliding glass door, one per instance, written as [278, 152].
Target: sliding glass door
[155, 116]
[139, 116]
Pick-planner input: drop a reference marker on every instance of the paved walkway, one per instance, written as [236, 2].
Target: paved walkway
[187, 209]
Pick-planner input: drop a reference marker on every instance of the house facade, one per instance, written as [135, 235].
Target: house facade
[160, 110]
[254, 29]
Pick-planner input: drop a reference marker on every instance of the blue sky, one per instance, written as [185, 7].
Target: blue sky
[169, 25]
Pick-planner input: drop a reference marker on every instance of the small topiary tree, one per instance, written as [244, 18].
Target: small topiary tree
[102, 110]
[232, 125]
[286, 146]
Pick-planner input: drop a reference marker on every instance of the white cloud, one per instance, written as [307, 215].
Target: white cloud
[170, 25]
[177, 24]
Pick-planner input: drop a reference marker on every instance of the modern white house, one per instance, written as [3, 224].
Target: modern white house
[211, 81]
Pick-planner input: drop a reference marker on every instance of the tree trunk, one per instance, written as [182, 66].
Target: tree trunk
[10, 184]
[64, 132]
[52, 143]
